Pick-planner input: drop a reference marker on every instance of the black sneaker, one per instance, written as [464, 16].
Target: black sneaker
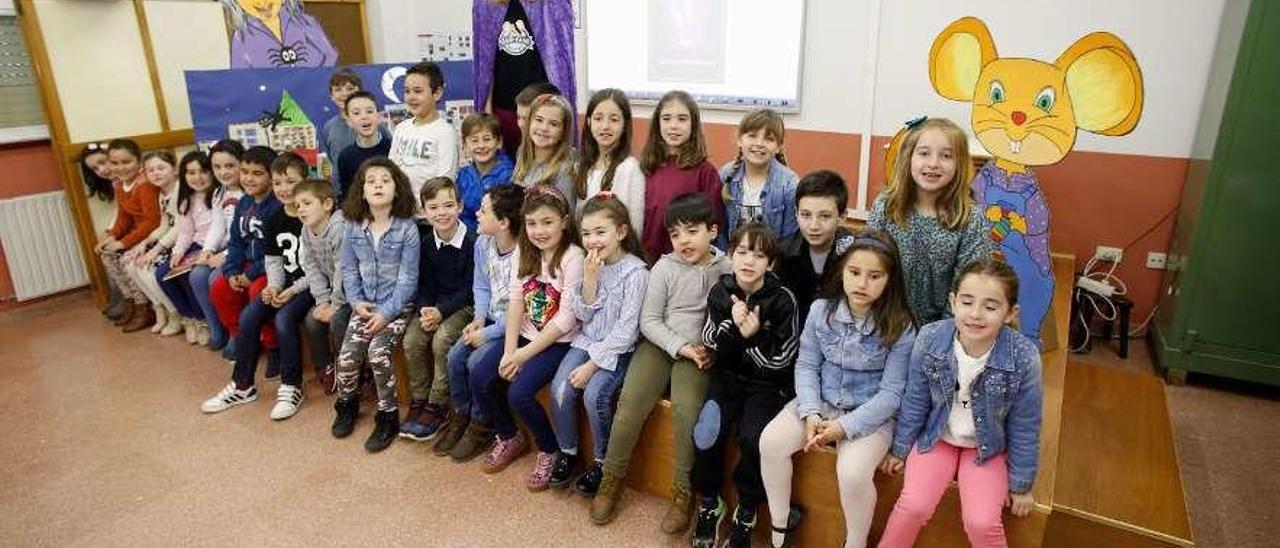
[589, 483]
[706, 530]
[386, 425]
[273, 364]
[744, 522]
[562, 470]
[344, 422]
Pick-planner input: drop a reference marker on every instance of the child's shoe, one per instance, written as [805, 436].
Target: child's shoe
[172, 324]
[202, 333]
[706, 532]
[605, 504]
[162, 319]
[782, 536]
[504, 453]
[451, 434]
[143, 317]
[386, 423]
[476, 441]
[288, 399]
[229, 397]
[589, 483]
[344, 420]
[561, 474]
[189, 330]
[677, 518]
[329, 379]
[412, 427]
[744, 522]
[543, 465]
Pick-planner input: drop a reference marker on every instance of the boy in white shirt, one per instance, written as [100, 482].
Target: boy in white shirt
[424, 146]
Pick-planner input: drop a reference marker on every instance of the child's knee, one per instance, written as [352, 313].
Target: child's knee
[563, 393]
[982, 525]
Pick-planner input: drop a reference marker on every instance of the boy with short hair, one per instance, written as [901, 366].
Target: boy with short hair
[754, 331]
[361, 111]
[337, 134]
[243, 273]
[322, 235]
[425, 145]
[808, 255]
[443, 304]
[672, 316]
[489, 165]
[469, 433]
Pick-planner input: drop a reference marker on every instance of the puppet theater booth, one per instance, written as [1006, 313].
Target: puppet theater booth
[1108, 472]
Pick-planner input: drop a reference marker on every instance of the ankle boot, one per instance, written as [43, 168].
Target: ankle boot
[129, 310]
[386, 426]
[162, 319]
[143, 318]
[604, 506]
[173, 324]
[115, 305]
[344, 422]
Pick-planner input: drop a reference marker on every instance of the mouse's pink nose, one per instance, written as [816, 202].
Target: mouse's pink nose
[1018, 117]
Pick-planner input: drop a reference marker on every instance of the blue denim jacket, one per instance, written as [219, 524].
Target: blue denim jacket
[777, 198]
[387, 276]
[844, 363]
[1006, 399]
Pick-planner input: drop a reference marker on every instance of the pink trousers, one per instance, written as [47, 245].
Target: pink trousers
[983, 490]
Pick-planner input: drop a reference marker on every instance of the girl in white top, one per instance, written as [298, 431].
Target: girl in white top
[604, 163]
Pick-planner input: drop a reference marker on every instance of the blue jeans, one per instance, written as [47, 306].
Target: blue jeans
[288, 338]
[199, 280]
[178, 290]
[521, 393]
[598, 397]
[462, 361]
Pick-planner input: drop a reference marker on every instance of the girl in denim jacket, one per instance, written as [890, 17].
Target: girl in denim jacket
[972, 410]
[849, 379]
[380, 279]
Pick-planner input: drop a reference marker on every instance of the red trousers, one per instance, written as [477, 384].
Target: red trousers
[229, 302]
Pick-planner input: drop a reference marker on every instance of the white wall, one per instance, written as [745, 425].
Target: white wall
[1172, 39]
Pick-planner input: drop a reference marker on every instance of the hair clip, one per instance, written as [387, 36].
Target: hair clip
[95, 146]
[605, 194]
[915, 122]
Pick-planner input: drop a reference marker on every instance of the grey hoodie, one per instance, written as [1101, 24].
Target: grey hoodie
[320, 261]
[675, 303]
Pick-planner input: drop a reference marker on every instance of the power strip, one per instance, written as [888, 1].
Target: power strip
[1095, 286]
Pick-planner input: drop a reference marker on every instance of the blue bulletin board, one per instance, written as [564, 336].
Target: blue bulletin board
[285, 108]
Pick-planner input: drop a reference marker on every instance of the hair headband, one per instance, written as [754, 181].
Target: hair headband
[867, 241]
[545, 190]
[553, 98]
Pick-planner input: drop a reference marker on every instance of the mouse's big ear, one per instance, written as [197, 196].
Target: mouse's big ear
[1104, 82]
[957, 57]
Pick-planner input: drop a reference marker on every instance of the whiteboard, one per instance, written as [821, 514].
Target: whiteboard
[737, 54]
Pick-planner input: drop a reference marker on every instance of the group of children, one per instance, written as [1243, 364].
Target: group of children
[607, 280]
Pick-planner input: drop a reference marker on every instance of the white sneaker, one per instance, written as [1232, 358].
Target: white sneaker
[288, 399]
[229, 397]
[189, 330]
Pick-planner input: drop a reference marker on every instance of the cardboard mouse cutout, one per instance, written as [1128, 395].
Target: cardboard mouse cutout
[1026, 113]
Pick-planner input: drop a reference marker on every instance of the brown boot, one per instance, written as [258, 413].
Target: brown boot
[677, 518]
[604, 506]
[130, 310]
[143, 318]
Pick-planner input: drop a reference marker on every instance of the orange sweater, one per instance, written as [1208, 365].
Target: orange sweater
[137, 211]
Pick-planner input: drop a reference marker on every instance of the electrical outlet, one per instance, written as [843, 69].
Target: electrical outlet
[1156, 260]
[1106, 253]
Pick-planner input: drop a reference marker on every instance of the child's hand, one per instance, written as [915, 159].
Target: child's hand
[739, 311]
[475, 338]
[698, 354]
[580, 375]
[431, 317]
[829, 432]
[747, 320]
[591, 275]
[363, 310]
[217, 260]
[204, 257]
[282, 298]
[1020, 504]
[239, 282]
[268, 295]
[375, 324]
[510, 364]
[892, 465]
[322, 312]
[811, 423]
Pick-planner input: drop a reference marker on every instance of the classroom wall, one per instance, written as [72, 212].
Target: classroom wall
[865, 72]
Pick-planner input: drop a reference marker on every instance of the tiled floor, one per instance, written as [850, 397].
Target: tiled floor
[103, 444]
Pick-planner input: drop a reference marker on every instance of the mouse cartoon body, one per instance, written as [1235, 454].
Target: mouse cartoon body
[1026, 113]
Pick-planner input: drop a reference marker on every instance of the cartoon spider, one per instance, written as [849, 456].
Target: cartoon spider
[289, 55]
[271, 119]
